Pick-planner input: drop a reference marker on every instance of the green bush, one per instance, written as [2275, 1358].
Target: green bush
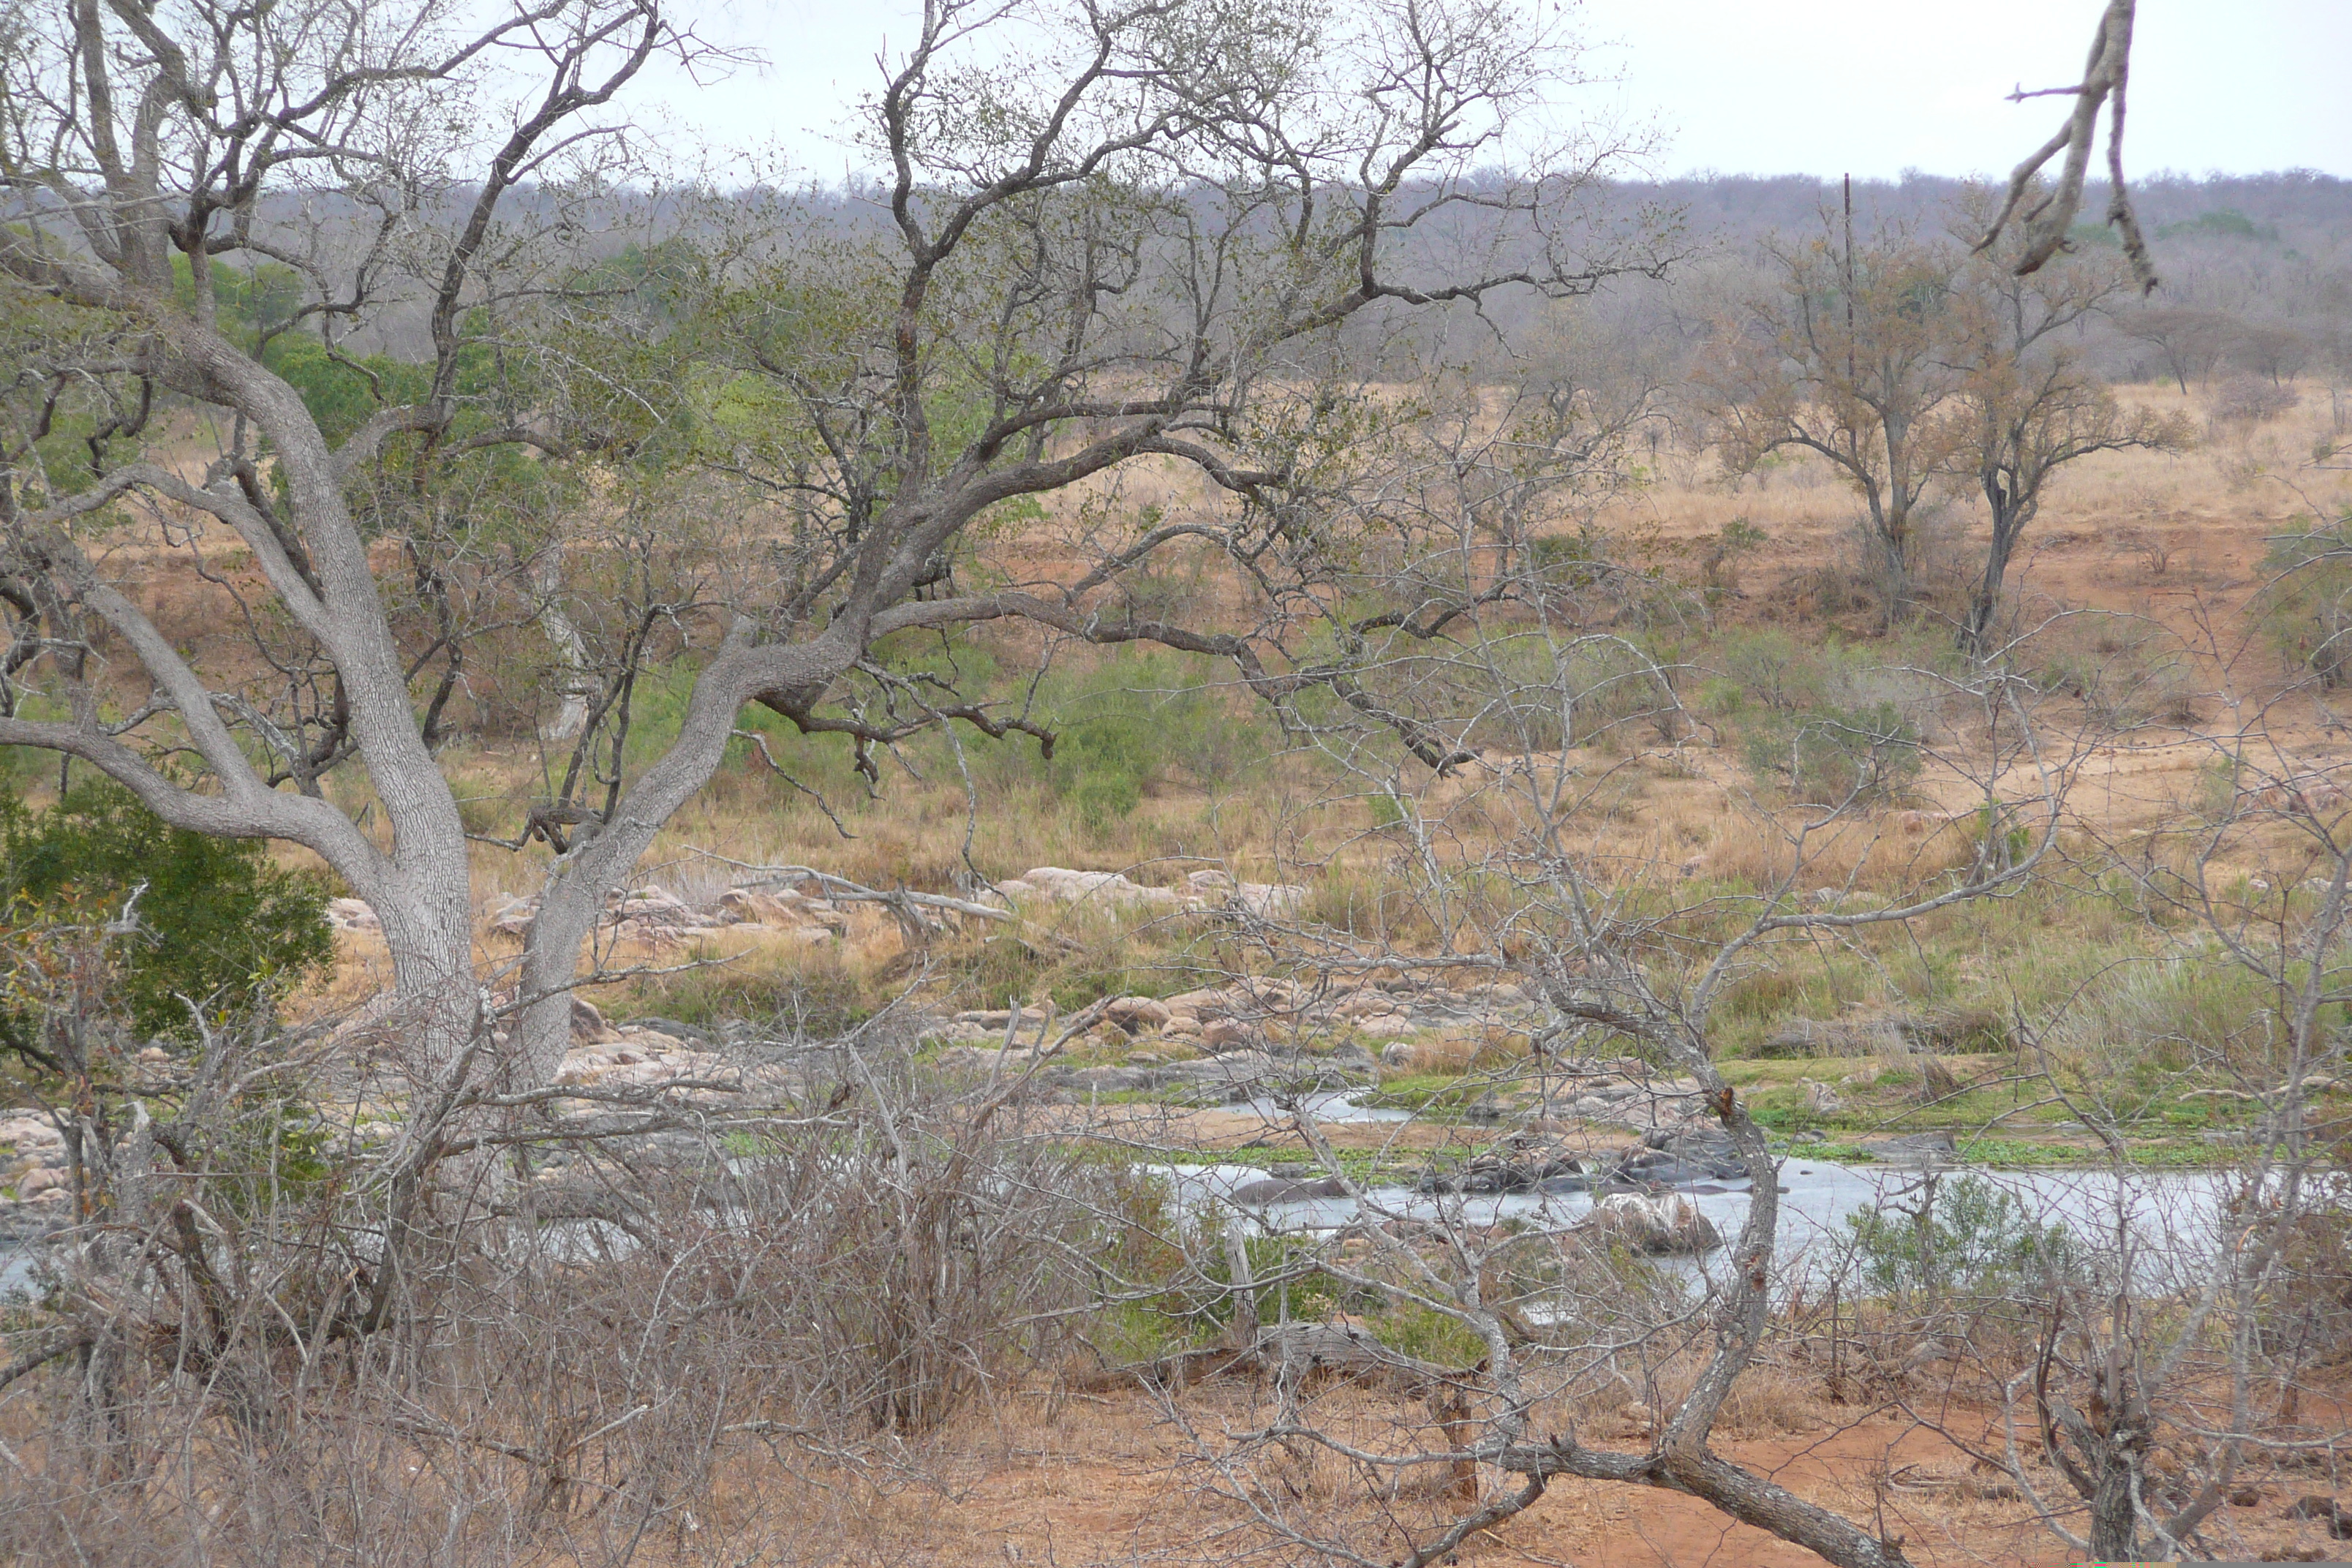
[2305, 610]
[1101, 763]
[1976, 1239]
[1122, 726]
[1429, 1335]
[218, 924]
[1544, 691]
[1828, 755]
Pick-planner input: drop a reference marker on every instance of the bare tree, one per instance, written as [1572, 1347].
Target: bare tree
[2154, 1363]
[2032, 405]
[2189, 342]
[1846, 359]
[1149, 250]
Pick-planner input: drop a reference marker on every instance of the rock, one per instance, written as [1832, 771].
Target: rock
[758, 906]
[1209, 1003]
[1065, 885]
[1135, 1013]
[1386, 1026]
[30, 1130]
[47, 1178]
[1266, 901]
[2326, 1510]
[154, 1056]
[1672, 1174]
[1400, 1053]
[675, 1031]
[588, 1025]
[1110, 1079]
[982, 1058]
[654, 902]
[783, 911]
[1912, 1148]
[511, 916]
[1928, 1351]
[1285, 1190]
[1227, 1033]
[1239, 1073]
[352, 915]
[1521, 1163]
[1665, 1225]
[1678, 1160]
[1182, 1025]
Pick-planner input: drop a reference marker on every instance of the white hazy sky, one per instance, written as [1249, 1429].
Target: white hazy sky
[1764, 87]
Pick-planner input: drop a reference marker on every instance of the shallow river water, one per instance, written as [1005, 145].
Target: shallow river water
[2171, 1216]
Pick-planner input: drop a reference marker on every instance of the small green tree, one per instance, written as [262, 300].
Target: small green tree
[1970, 1237]
[1830, 755]
[211, 922]
[2306, 607]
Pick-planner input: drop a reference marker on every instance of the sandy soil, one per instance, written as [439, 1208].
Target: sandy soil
[1101, 1480]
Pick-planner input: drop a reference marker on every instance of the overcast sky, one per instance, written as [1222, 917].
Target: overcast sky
[1763, 87]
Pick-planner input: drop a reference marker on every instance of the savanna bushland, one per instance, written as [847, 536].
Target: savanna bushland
[1248, 813]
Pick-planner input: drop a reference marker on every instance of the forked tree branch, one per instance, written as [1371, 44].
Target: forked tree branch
[2049, 220]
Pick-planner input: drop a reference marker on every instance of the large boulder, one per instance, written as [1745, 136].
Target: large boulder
[1289, 1190]
[1657, 1224]
[1922, 1149]
[1137, 1013]
[784, 909]
[1678, 1159]
[1268, 900]
[1065, 885]
[1228, 1033]
[1509, 1171]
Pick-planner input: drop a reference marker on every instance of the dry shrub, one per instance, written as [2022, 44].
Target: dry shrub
[1775, 1401]
[1889, 850]
[561, 1379]
[2251, 400]
[1488, 1050]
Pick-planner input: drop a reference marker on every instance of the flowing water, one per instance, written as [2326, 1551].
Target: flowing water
[2165, 1218]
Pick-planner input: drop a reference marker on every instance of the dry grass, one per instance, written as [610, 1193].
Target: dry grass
[2169, 539]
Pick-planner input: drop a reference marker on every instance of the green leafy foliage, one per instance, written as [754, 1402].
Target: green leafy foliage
[1829, 755]
[218, 923]
[1122, 725]
[2305, 610]
[1974, 1239]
